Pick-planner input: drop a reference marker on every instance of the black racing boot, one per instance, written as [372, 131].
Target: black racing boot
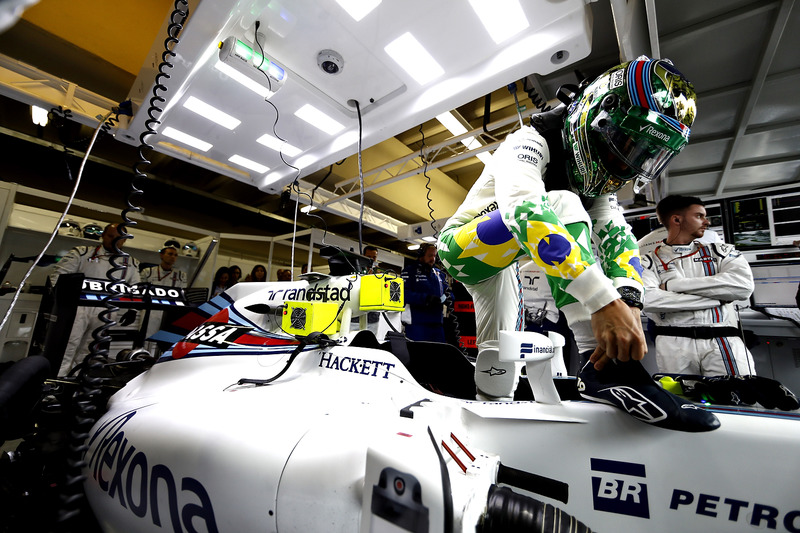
[629, 387]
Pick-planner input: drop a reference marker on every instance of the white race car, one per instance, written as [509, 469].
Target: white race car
[273, 416]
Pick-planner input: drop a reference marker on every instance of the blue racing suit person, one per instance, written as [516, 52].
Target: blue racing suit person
[425, 294]
[623, 127]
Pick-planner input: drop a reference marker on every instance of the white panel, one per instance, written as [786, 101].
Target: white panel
[294, 32]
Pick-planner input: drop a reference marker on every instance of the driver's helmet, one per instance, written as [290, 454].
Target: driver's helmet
[92, 231]
[70, 228]
[190, 249]
[627, 125]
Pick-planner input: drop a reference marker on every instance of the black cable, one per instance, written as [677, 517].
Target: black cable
[294, 185]
[535, 97]
[92, 394]
[360, 183]
[327, 175]
[449, 296]
[267, 100]
[313, 338]
[428, 189]
[386, 319]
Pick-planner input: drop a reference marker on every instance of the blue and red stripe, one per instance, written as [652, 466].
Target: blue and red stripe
[639, 85]
[728, 360]
[710, 269]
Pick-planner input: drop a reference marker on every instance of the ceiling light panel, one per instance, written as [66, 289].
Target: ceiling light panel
[294, 32]
[211, 113]
[242, 79]
[412, 57]
[278, 145]
[186, 139]
[502, 18]
[248, 163]
[358, 9]
[318, 119]
[454, 126]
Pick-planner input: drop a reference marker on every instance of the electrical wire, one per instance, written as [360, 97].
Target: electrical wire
[90, 398]
[428, 189]
[512, 88]
[294, 185]
[60, 220]
[448, 292]
[360, 183]
[535, 97]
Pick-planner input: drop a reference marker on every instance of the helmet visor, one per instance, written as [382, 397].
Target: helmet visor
[635, 149]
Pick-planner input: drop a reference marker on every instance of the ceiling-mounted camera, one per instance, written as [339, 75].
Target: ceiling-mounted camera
[330, 61]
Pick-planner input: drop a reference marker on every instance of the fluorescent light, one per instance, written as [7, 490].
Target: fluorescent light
[278, 145]
[358, 9]
[200, 160]
[307, 208]
[237, 76]
[449, 121]
[414, 59]
[429, 239]
[39, 115]
[502, 18]
[248, 163]
[185, 138]
[318, 119]
[413, 246]
[211, 113]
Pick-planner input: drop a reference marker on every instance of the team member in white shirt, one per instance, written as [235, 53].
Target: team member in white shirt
[164, 275]
[93, 262]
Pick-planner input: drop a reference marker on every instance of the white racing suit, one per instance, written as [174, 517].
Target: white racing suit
[696, 323]
[159, 277]
[508, 214]
[93, 262]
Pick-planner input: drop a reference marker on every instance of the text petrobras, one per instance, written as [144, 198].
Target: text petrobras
[124, 473]
[620, 487]
[755, 514]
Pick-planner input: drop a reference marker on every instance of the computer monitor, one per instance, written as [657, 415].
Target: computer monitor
[775, 284]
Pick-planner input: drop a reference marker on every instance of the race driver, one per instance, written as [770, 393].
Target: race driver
[625, 126]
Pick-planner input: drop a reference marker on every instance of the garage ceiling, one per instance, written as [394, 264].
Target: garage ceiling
[741, 56]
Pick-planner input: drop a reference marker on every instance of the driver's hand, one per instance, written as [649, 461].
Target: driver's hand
[618, 331]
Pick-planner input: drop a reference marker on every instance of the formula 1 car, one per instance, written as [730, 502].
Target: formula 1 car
[272, 415]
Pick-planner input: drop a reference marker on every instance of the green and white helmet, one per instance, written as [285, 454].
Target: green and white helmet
[627, 125]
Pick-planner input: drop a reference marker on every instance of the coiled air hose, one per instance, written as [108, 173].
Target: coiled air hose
[510, 512]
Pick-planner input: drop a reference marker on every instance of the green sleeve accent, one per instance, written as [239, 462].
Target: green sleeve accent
[619, 253]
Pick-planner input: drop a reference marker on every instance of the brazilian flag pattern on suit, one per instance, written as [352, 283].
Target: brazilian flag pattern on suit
[619, 252]
[550, 227]
[481, 248]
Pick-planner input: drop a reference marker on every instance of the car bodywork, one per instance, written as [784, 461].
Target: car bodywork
[243, 427]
